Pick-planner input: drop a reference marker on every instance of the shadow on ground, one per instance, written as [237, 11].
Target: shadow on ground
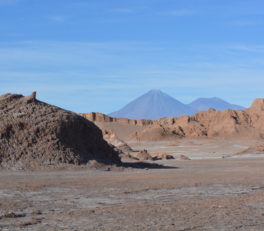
[143, 165]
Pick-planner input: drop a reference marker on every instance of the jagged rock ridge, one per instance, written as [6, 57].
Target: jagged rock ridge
[204, 124]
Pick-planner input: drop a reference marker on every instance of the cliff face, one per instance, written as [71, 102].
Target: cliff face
[99, 117]
[256, 112]
[257, 105]
[35, 133]
[211, 123]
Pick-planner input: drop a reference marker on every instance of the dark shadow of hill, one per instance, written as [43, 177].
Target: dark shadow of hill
[143, 165]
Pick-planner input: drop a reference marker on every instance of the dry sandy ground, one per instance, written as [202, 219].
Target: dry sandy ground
[196, 148]
[200, 194]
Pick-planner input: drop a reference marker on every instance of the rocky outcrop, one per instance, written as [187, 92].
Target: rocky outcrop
[256, 113]
[35, 133]
[112, 139]
[208, 124]
[257, 105]
[99, 117]
[143, 155]
[161, 155]
[205, 124]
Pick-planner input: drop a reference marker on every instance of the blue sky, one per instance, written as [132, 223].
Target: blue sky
[97, 55]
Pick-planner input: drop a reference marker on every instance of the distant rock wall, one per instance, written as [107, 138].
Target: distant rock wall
[205, 124]
[99, 117]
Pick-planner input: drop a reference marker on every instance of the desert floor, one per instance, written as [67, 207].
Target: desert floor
[207, 192]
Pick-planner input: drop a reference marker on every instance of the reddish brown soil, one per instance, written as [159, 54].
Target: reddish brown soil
[223, 194]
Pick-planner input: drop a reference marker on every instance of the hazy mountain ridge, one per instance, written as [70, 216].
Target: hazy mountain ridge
[203, 104]
[156, 104]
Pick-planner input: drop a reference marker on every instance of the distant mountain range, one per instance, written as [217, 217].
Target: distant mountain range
[203, 104]
[157, 104]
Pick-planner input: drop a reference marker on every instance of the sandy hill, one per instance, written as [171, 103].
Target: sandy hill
[35, 133]
[153, 105]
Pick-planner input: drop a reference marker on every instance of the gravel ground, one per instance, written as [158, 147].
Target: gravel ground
[214, 194]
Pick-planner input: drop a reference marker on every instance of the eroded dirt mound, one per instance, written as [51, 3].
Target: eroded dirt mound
[33, 132]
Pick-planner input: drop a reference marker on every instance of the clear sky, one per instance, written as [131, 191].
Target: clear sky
[97, 55]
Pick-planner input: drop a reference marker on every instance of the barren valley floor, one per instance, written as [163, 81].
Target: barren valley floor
[200, 194]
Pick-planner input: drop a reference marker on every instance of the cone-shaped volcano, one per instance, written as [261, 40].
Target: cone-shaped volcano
[153, 105]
